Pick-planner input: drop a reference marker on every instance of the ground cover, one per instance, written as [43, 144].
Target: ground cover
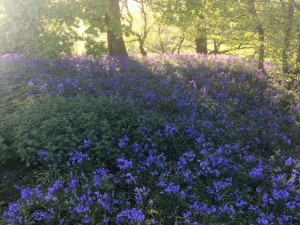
[181, 139]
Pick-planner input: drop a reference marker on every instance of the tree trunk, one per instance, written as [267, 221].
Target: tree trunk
[261, 35]
[141, 46]
[201, 44]
[116, 45]
[287, 36]
[161, 43]
[201, 41]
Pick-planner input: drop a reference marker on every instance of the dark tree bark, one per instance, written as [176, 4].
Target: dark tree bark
[161, 43]
[201, 40]
[142, 36]
[141, 46]
[180, 43]
[261, 35]
[287, 35]
[116, 44]
[201, 44]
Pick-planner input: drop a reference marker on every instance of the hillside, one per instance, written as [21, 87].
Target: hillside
[178, 139]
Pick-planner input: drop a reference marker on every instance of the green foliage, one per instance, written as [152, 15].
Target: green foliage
[95, 48]
[36, 29]
[59, 125]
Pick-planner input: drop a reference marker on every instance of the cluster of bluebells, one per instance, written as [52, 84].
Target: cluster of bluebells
[224, 95]
[210, 184]
[210, 161]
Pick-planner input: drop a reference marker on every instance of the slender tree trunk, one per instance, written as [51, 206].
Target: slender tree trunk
[287, 36]
[201, 41]
[180, 43]
[116, 45]
[261, 35]
[161, 43]
[141, 46]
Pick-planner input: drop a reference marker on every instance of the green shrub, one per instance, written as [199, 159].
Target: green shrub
[59, 125]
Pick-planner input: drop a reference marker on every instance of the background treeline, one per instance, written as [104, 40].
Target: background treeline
[264, 30]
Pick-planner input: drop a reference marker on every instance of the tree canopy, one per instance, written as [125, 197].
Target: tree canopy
[261, 30]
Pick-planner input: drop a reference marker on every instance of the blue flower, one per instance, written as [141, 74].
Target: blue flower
[44, 215]
[172, 188]
[81, 209]
[241, 204]
[86, 144]
[74, 183]
[257, 173]
[250, 158]
[170, 130]
[124, 164]
[291, 162]
[139, 195]
[187, 215]
[77, 158]
[281, 194]
[43, 155]
[123, 142]
[86, 220]
[55, 187]
[134, 216]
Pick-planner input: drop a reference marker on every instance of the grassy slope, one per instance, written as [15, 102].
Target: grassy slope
[13, 78]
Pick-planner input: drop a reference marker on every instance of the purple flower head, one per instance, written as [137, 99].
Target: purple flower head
[137, 148]
[42, 88]
[291, 162]
[257, 173]
[123, 142]
[250, 158]
[200, 139]
[139, 195]
[74, 183]
[286, 140]
[124, 164]
[172, 188]
[29, 193]
[134, 216]
[43, 155]
[241, 204]
[14, 213]
[192, 131]
[284, 219]
[105, 201]
[86, 144]
[170, 130]
[81, 209]
[86, 220]
[44, 215]
[187, 215]
[281, 194]
[77, 158]
[202, 209]
[222, 185]
[56, 187]
[130, 179]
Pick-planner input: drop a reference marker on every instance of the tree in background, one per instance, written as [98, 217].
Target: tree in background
[49, 28]
[260, 30]
[115, 41]
[252, 7]
[289, 10]
[35, 28]
[145, 27]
